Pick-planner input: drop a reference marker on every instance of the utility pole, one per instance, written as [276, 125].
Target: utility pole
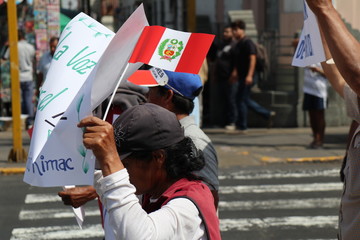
[17, 153]
[191, 15]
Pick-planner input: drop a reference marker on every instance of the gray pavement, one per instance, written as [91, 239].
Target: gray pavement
[256, 147]
[287, 145]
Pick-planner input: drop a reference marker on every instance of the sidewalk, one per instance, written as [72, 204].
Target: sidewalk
[285, 145]
[256, 147]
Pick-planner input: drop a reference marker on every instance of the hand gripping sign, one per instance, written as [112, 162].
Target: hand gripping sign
[82, 75]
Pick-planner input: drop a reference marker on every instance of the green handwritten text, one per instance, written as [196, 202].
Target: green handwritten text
[43, 102]
[80, 64]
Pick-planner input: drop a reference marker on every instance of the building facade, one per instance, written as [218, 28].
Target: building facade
[276, 22]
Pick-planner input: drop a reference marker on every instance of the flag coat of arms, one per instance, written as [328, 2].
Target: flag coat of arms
[172, 50]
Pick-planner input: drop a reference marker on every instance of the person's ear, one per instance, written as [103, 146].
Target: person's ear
[159, 156]
[168, 97]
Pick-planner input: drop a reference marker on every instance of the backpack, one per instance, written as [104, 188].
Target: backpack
[262, 61]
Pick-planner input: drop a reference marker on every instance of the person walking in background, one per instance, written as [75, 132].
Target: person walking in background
[26, 53]
[243, 78]
[5, 84]
[221, 54]
[45, 60]
[315, 102]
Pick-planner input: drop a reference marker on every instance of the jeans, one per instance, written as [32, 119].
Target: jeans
[27, 105]
[240, 101]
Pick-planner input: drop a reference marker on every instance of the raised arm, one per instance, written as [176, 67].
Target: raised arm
[331, 71]
[344, 48]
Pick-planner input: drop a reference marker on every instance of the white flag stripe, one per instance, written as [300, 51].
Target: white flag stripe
[178, 37]
[309, 187]
[246, 224]
[55, 213]
[41, 198]
[57, 232]
[268, 175]
[280, 204]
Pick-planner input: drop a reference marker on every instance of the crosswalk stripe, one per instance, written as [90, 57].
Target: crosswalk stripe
[227, 224]
[247, 175]
[247, 224]
[57, 232]
[308, 187]
[41, 198]
[55, 213]
[280, 204]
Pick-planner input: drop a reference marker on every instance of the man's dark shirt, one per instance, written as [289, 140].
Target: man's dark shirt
[241, 55]
[224, 61]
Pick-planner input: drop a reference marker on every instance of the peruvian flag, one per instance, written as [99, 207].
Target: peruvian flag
[172, 50]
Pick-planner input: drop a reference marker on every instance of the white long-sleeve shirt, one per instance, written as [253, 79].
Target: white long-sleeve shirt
[178, 219]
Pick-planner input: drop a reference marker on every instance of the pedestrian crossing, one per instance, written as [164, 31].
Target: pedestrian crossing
[45, 217]
[254, 204]
[279, 204]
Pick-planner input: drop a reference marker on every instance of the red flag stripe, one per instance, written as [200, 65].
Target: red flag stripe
[147, 43]
[194, 53]
[143, 78]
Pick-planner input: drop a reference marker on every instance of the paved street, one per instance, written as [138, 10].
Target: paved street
[277, 201]
[280, 202]
[272, 187]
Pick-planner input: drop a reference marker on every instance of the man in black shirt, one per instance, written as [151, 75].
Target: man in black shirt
[220, 53]
[243, 78]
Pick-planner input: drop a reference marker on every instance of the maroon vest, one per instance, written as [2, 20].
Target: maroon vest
[196, 192]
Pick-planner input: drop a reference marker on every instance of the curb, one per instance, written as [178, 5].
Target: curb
[316, 159]
[305, 159]
[8, 171]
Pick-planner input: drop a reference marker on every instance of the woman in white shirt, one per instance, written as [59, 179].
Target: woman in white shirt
[149, 141]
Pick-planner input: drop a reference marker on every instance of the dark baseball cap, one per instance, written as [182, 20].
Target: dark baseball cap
[146, 127]
[188, 85]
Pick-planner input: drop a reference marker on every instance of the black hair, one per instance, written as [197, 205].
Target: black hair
[21, 34]
[238, 24]
[53, 39]
[182, 104]
[182, 159]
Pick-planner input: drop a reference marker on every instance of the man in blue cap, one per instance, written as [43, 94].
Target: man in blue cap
[176, 92]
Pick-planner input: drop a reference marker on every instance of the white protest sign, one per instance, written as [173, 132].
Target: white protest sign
[72, 63]
[64, 160]
[310, 49]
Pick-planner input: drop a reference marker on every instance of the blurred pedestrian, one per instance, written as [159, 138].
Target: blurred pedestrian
[315, 102]
[223, 69]
[345, 50]
[243, 78]
[177, 96]
[45, 60]
[26, 53]
[147, 154]
[5, 86]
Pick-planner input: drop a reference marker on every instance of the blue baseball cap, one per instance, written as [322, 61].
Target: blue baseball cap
[188, 85]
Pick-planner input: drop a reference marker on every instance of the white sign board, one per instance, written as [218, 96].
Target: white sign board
[310, 49]
[57, 156]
